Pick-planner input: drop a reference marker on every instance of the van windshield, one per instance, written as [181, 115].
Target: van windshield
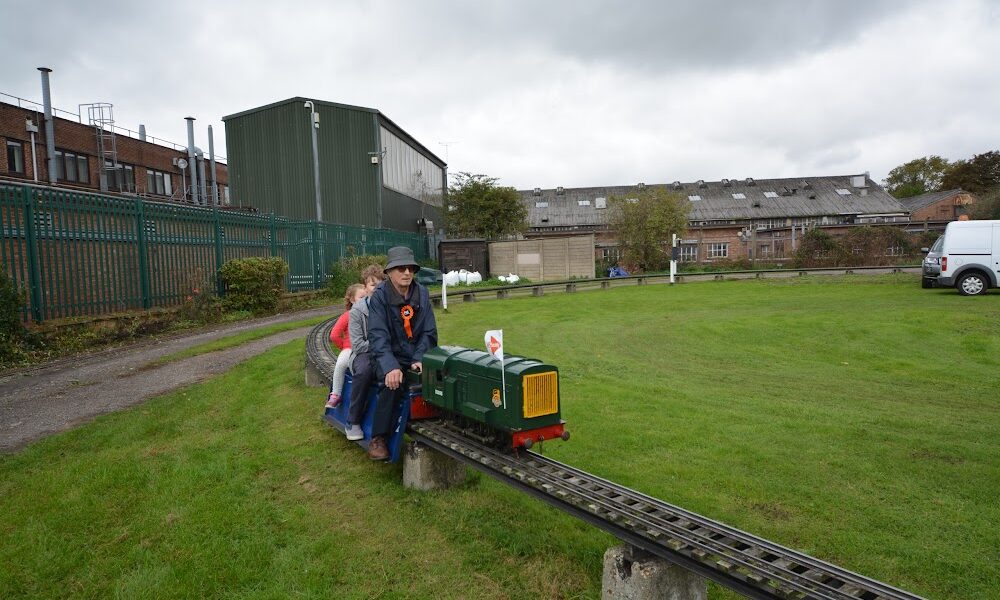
[938, 245]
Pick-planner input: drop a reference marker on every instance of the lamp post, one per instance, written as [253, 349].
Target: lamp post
[317, 246]
[314, 122]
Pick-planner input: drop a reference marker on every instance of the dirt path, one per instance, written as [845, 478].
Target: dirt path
[65, 393]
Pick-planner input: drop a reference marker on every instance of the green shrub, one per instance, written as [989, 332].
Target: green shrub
[200, 305]
[11, 329]
[254, 284]
[348, 270]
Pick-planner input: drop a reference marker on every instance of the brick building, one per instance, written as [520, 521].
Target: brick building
[938, 207]
[729, 219]
[145, 168]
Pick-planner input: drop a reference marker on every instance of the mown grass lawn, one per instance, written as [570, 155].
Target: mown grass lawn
[853, 418]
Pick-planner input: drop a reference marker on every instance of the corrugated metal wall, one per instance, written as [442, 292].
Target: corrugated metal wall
[271, 163]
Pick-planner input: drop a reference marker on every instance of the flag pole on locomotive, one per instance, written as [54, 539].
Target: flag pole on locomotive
[494, 345]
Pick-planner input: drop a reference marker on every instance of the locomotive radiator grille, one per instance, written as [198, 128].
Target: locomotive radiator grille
[541, 394]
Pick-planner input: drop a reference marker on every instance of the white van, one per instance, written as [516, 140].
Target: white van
[970, 256]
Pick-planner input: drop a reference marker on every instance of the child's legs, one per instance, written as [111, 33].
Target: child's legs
[362, 378]
[337, 385]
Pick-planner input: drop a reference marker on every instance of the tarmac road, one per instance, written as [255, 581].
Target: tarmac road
[71, 391]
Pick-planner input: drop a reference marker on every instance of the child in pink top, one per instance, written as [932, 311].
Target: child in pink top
[340, 338]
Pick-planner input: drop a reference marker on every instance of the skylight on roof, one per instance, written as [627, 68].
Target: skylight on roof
[770, 194]
[600, 202]
[583, 202]
[739, 196]
[541, 204]
[694, 198]
[844, 191]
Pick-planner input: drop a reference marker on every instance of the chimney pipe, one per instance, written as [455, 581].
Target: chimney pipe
[202, 191]
[50, 131]
[142, 132]
[192, 160]
[211, 155]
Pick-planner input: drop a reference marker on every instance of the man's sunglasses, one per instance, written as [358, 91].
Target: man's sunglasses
[408, 268]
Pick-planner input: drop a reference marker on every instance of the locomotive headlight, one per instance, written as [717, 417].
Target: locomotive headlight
[541, 394]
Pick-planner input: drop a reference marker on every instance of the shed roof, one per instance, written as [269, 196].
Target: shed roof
[382, 117]
[924, 200]
[723, 200]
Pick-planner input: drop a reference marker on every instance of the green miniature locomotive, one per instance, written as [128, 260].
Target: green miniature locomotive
[469, 384]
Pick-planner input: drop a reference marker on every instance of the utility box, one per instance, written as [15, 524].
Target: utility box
[471, 254]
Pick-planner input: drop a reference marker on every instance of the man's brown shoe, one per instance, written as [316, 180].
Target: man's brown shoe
[377, 449]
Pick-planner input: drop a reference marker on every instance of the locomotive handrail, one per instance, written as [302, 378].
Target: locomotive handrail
[747, 564]
[606, 282]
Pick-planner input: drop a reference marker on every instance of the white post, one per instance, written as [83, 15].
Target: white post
[444, 294]
[673, 258]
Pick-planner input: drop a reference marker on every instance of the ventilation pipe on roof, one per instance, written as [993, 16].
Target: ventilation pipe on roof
[750, 181]
[192, 163]
[701, 183]
[202, 190]
[211, 156]
[50, 132]
[560, 191]
[537, 192]
[142, 132]
[726, 183]
[678, 186]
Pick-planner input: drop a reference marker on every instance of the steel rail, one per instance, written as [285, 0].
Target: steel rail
[750, 565]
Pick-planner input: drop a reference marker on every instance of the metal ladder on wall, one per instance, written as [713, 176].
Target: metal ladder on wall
[102, 117]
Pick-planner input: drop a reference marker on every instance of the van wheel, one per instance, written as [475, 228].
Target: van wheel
[972, 284]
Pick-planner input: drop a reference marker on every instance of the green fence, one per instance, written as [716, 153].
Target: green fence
[76, 254]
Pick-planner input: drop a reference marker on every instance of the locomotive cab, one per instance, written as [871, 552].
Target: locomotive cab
[521, 402]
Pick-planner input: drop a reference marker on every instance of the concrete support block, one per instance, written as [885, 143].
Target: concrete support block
[605, 285]
[313, 377]
[720, 277]
[633, 574]
[424, 469]
[570, 287]
[640, 281]
[537, 291]
[468, 297]
[436, 302]
[502, 294]
[678, 279]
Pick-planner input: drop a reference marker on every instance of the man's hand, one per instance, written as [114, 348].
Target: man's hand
[417, 366]
[393, 378]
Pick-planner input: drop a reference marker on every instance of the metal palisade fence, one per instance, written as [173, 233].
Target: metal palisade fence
[75, 253]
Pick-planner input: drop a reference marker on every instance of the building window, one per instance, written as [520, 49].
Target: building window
[718, 250]
[157, 183]
[121, 179]
[689, 253]
[72, 167]
[15, 157]
[764, 250]
[225, 195]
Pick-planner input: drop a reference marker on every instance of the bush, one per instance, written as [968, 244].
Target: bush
[254, 284]
[200, 305]
[12, 331]
[348, 270]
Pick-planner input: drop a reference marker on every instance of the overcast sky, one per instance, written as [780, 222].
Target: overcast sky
[543, 94]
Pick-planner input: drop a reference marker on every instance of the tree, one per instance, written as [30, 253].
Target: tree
[644, 224]
[916, 177]
[977, 175]
[987, 206]
[477, 207]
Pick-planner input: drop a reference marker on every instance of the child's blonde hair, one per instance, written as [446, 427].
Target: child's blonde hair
[352, 291]
[376, 272]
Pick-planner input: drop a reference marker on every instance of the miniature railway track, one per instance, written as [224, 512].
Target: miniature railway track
[750, 565]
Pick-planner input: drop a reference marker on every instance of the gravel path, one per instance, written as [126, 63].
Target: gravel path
[68, 392]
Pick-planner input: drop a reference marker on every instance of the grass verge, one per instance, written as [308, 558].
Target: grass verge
[830, 414]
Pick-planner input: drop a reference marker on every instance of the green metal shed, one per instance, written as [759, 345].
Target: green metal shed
[372, 173]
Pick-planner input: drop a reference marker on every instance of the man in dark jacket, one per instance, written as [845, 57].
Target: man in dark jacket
[401, 328]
